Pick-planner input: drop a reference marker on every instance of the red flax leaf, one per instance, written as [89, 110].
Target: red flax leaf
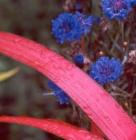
[93, 99]
[55, 127]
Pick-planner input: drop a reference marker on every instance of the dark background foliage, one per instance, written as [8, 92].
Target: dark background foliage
[23, 94]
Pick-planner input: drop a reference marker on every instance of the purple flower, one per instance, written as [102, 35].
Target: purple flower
[68, 27]
[116, 9]
[59, 93]
[78, 59]
[87, 21]
[106, 70]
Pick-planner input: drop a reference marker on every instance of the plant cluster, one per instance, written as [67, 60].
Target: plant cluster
[102, 45]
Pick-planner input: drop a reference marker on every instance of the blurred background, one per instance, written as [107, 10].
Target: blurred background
[24, 93]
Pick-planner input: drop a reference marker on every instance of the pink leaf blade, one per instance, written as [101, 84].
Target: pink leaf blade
[56, 127]
[93, 99]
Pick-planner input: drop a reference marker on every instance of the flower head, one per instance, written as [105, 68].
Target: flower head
[87, 21]
[78, 59]
[106, 70]
[68, 27]
[116, 9]
[59, 93]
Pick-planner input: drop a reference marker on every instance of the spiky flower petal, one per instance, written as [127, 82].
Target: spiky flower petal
[116, 9]
[68, 27]
[87, 21]
[106, 70]
[59, 93]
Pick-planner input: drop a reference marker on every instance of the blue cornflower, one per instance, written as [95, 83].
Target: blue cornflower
[116, 9]
[68, 27]
[59, 93]
[87, 21]
[106, 70]
[78, 59]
